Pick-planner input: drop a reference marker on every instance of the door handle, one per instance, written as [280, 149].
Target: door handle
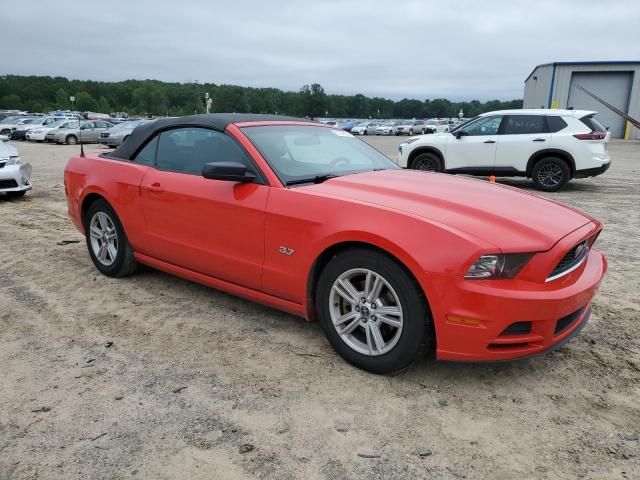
[154, 188]
[539, 140]
[489, 141]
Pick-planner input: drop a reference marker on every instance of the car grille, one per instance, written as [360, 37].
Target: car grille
[8, 183]
[572, 260]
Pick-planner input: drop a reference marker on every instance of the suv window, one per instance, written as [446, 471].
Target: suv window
[556, 124]
[147, 156]
[483, 126]
[523, 124]
[591, 122]
[187, 150]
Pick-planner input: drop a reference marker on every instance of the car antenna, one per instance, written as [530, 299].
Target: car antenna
[80, 135]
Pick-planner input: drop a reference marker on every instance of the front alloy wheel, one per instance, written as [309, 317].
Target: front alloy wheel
[550, 174]
[365, 311]
[372, 310]
[104, 239]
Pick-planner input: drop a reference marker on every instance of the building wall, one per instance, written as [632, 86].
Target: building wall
[534, 90]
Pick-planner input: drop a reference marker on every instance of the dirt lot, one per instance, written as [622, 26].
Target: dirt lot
[154, 377]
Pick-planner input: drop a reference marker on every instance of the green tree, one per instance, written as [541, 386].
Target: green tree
[150, 99]
[85, 102]
[11, 101]
[314, 100]
[62, 99]
[103, 105]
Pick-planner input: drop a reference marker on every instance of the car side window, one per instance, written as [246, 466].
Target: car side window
[187, 150]
[102, 125]
[147, 156]
[524, 124]
[86, 126]
[555, 123]
[484, 126]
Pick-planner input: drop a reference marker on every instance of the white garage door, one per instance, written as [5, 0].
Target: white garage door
[612, 87]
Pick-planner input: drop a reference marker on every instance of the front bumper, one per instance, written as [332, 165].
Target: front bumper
[37, 137]
[18, 134]
[15, 178]
[471, 317]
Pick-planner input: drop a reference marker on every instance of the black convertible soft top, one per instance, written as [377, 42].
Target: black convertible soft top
[215, 121]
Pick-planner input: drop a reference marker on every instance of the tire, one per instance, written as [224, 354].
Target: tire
[550, 174]
[16, 194]
[400, 344]
[365, 132]
[427, 162]
[71, 140]
[422, 132]
[411, 132]
[101, 216]
[397, 134]
[390, 132]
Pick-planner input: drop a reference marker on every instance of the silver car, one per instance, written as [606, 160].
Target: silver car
[89, 132]
[118, 134]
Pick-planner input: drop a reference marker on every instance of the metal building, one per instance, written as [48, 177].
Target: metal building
[552, 85]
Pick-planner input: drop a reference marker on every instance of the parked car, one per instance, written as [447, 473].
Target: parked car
[89, 132]
[549, 146]
[39, 133]
[20, 132]
[308, 219]
[365, 128]
[436, 126]
[8, 125]
[15, 177]
[411, 127]
[118, 134]
[347, 126]
[388, 128]
[50, 136]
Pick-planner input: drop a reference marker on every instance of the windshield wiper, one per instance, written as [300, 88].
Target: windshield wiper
[316, 179]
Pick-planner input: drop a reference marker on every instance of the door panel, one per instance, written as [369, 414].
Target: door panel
[476, 149]
[210, 226]
[521, 136]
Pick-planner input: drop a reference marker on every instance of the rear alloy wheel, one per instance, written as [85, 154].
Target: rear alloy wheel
[71, 140]
[550, 174]
[108, 246]
[373, 313]
[427, 162]
[411, 132]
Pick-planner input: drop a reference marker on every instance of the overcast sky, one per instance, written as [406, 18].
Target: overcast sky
[418, 49]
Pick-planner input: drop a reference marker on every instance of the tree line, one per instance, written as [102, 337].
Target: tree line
[153, 97]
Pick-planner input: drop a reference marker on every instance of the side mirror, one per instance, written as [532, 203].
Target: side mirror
[459, 133]
[229, 171]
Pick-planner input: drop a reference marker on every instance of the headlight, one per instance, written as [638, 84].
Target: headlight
[498, 265]
[13, 161]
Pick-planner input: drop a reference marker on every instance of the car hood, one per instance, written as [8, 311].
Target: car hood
[7, 150]
[511, 219]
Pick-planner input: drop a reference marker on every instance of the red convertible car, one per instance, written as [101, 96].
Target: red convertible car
[308, 219]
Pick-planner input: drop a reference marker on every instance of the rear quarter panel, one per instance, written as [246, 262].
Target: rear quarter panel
[117, 181]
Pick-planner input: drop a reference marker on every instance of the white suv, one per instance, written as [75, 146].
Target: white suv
[549, 146]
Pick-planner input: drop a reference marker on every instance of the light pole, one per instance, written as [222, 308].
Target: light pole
[206, 102]
[72, 99]
[460, 115]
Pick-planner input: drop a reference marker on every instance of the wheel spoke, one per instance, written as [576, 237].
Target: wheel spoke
[376, 335]
[367, 331]
[113, 251]
[374, 292]
[350, 328]
[346, 290]
[390, 321]
[102, 253]
[346, 317]
[384, 310]
[95, 232]
[102, 220]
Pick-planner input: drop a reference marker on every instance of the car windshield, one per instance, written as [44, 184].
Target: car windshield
[307, 154]
[431, 122]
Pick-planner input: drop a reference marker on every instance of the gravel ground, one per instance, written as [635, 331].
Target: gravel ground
[153, 377]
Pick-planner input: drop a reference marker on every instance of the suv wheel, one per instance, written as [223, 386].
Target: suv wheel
[373, 313]
[428, 162]
[550, 174]
[71, 140]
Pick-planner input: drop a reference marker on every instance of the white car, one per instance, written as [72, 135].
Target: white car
[15, 177]
[20, 132]
[436, 126]
[387, 128]
[365, 128]
[549, 146]
[39, 134]
[411, 127]
[8, 125]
